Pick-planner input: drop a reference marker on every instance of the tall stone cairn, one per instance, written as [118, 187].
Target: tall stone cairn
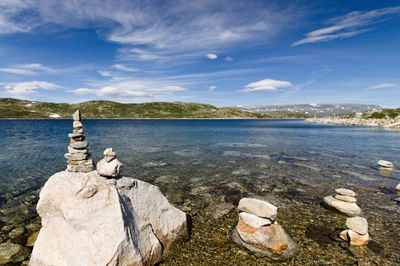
[78, 155]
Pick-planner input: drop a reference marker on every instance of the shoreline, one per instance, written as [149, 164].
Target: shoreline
[121, 118]
[381, 123]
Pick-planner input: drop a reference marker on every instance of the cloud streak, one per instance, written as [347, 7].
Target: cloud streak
[266, 85]
[382, 86]
[349, 25]
[23, 88]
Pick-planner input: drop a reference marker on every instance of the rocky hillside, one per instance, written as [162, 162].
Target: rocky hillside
[311, 109]
[14, 108]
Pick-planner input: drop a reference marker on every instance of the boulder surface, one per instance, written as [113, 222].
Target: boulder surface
[90, 220]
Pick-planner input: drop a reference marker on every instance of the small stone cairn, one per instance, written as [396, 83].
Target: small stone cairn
[344, 201]
[109, 167]
[356, 232]
[258, 232]
[78, 156]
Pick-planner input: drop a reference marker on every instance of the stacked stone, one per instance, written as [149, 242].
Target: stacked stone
[78, 155]
[258, 231]
[356, 232]
[109, 167]
[344, 201]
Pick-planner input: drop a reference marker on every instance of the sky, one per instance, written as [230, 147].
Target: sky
[223, 53]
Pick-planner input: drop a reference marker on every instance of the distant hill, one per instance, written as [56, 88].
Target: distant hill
[312, 109]
[14, 108]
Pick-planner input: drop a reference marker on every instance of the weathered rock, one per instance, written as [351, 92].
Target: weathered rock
[253, 220]
[343, 235]
[109, 169]
[258, 207]
[72, 150]
[73, 135]
[109, 155]
[79, 145]
[221, 209]
[398, 187]
[84, 166]
[385, 164]
[32, 239]
[358, 225]
[78, 131]
[77, 124]
[12, 253]
[348, 208]
[345, 192]
[77, 156]
[346, 198]
[278, 254]
[357, 239]
[77, 115]
[129, 223]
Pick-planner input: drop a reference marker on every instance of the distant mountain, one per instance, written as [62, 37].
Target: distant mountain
[312, 109]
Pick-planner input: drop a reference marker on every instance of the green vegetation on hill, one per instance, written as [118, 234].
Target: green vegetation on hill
[392, 113]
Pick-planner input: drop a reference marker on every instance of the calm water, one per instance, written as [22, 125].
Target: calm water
[198, 163]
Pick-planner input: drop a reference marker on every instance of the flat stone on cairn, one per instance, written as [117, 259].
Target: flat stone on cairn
[109, 167]
[78, 155]
[385, 164]
[356, 232]
[258, 232]
[344, 202]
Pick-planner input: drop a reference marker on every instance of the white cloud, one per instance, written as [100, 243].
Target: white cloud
[18, 71]
[37, 66]
[22, 88]
[212, 88]
[382, 86]
[228, 59]
[212, 56]
[131, 89]
[105, 73]
[349, 25]
[124, 68]
[267, 85]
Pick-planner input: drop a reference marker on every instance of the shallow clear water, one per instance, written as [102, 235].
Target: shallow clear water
[199, 163]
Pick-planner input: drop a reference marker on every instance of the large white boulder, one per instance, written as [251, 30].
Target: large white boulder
[90, 220]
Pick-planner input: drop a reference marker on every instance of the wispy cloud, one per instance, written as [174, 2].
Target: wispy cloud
[27, 69]
[349, 25]
[266, 85]
[382, 86]
[228, 59]
[124, 68]
[212, 56]
[105, 73]
[129, 88]
[22, 88]
[19, 71]
[212, 88]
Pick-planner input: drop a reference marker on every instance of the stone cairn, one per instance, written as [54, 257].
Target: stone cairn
[356, 232]
[109, 167]
[344, 202]
[78, 156]
[258, 232]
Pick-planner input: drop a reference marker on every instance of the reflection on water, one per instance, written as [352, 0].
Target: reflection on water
[201, 163]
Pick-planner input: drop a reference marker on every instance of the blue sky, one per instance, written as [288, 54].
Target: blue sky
[223, 53]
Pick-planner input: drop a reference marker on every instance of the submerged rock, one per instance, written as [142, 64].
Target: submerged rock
[89, 220]
[386, 164]
[398, 187]
[349, 208]
[12, 253]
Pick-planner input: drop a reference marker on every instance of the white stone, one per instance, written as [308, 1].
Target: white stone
[345, 192]
[87, 220]
[386, 164]
[253, 220]
[77, 115]
[109, 169]
[346, 198]
[343, 235]
[351, 209]
[358, 225]
[258, 207]
[356, 239]
[398, 187]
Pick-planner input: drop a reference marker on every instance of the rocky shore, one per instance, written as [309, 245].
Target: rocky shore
[386, 122]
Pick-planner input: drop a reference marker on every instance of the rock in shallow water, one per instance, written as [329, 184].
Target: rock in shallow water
[346, 198]
[258, 207]
[129, 223]
[358, 225]
[398, 187]
[386, 164]
[345, 192]
[12, 253]
[351, 209]
[356, 239]
[253, 220]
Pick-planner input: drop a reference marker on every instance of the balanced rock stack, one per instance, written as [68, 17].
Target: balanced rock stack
[109, 167]
[344, 201]
[78, 156]
[385, 164]
[258, 231]
[356, 232]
